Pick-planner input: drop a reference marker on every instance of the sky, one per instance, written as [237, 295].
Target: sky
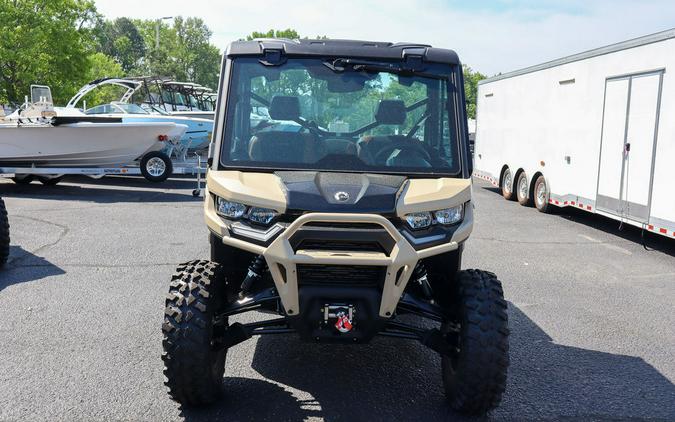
[490, 36]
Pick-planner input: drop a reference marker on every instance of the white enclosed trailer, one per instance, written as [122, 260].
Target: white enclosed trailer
[595, 131]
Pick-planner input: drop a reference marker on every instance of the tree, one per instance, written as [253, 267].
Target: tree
[184, 52]
[102, 66]
[289, 33]
[471, 80]
[46, 42]
[121, 40]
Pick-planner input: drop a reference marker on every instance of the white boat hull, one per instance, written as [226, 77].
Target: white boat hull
[81, 144]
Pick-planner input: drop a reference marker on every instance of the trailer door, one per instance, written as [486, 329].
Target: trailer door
[611, 148]
[628, 145]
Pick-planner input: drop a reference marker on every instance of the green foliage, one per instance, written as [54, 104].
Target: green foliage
[289, 33]
[44, 42]
[471, 80]
[184, 53]
[103, 66]
[65, 43]
[121, 40]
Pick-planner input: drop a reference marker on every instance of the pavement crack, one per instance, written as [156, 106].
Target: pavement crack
[64, 231]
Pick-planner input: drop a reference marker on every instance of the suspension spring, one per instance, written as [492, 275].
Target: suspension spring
[255, 272]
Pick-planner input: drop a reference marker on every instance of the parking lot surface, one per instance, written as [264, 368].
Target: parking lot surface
[81, 301]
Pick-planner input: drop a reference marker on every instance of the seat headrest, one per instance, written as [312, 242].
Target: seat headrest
[284, 107]
[390, 112]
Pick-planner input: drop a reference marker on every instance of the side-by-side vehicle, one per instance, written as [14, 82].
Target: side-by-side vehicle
[342, 226]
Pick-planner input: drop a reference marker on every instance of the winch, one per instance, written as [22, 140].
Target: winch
[343, 315]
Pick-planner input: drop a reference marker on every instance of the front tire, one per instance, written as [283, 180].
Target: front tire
[507, 185]
[194, 363]
[156, 166]
[474, 377]
[4, 234]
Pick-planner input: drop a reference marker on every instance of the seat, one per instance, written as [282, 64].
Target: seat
[285, 147]
[278, 146]
[387, 112]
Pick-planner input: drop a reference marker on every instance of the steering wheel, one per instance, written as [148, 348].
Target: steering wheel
[410, 146]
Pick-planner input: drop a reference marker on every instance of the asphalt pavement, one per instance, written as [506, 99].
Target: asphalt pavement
[591, 311]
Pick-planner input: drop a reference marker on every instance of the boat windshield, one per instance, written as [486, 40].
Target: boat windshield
[130, 108]
[338, 116]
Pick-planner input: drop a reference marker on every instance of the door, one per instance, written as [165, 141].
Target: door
[628, 145]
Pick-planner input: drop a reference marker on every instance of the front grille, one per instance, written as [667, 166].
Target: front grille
[339, 225]
[360, 238]
[340, 245]
[341, 275]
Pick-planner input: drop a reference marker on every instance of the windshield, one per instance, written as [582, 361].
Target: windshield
[309, 114]
[130, 108]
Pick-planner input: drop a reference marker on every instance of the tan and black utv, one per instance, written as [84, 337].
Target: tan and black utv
[338, 198]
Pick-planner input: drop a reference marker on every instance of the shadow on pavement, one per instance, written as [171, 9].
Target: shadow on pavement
[108, 189]
[391, 380]
[627, 232]
[23, 266]
[248, 399]
[546, 378]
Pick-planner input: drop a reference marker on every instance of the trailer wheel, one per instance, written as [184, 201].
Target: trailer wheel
[50, 181]
[507, 185]
[541, 195]
[22, 179]
[474, 375]
[4, 234]
[194, 362]
[156, 166]
[523, 190]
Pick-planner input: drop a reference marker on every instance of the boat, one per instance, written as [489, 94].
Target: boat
[197, 136]
[187, 99]
[39, 134]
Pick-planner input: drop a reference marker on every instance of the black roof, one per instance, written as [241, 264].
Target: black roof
[343, 48]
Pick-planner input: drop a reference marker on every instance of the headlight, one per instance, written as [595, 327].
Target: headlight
[418, 220]
[262, 216]
[230, 209]
[447, 217]
[450, 216]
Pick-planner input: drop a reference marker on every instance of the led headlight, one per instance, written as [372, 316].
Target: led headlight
[230, 209]
[262, 216]
[450, 216]
[418, 220]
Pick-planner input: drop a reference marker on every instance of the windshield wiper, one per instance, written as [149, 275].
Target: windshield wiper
[341, 65]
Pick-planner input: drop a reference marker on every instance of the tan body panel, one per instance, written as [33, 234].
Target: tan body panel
[421, 195]
[257, 189]
[266, 190]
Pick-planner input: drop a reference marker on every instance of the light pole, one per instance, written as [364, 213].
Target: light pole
[157, 29]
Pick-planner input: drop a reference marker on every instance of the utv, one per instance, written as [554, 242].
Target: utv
[4, 234]
[338, 198]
